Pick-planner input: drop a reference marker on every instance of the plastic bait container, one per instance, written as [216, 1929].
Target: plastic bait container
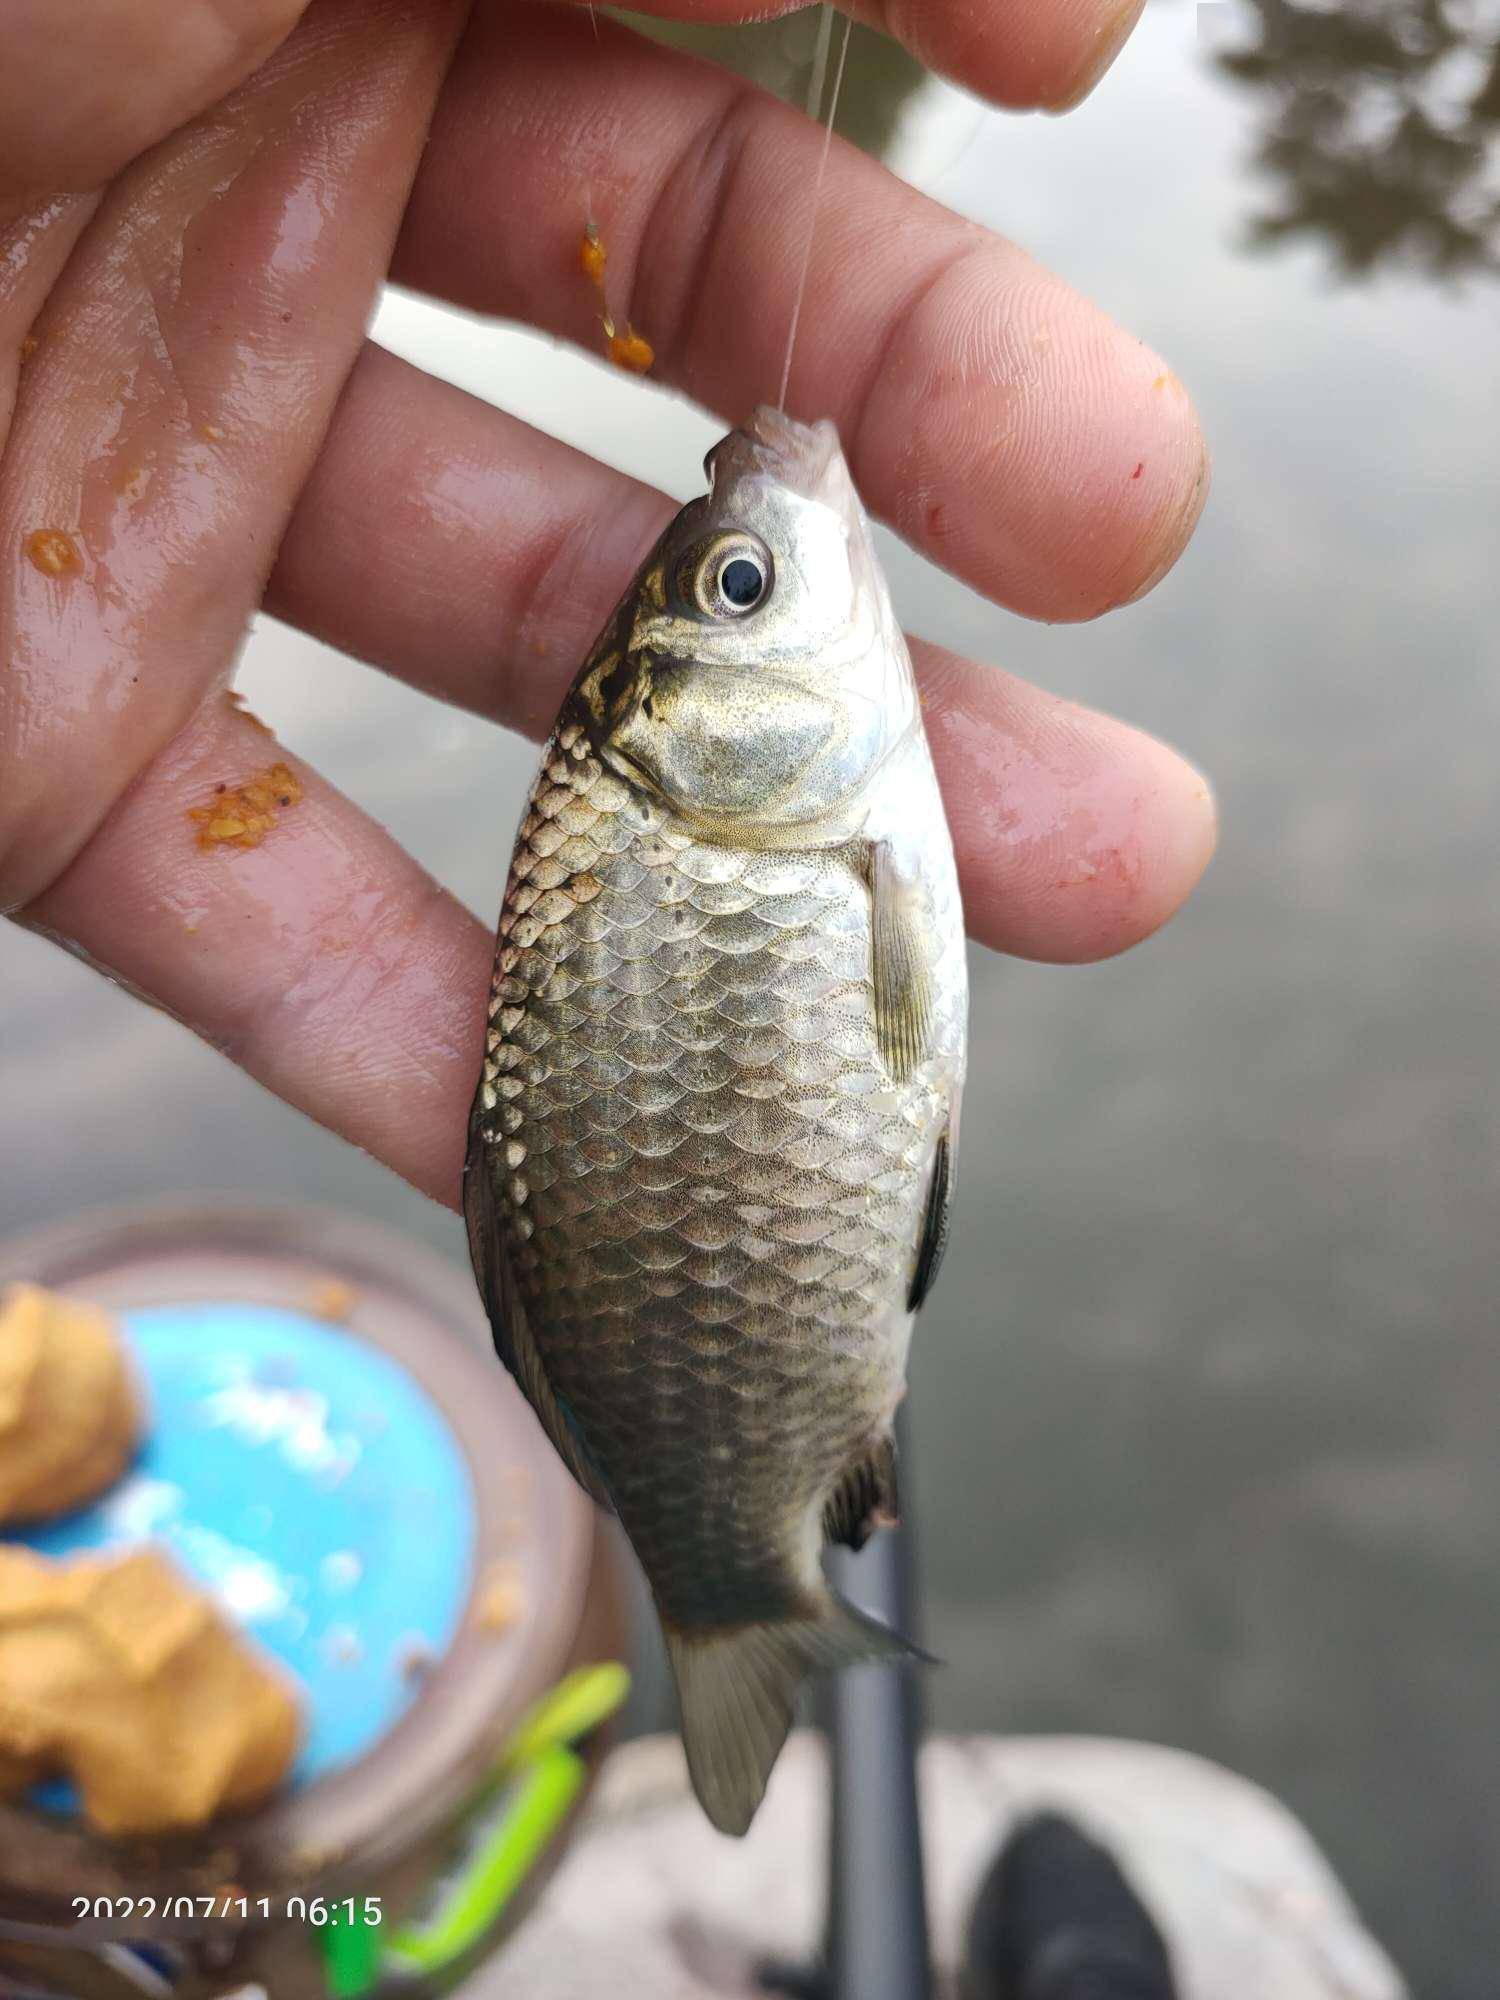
[333, 1452]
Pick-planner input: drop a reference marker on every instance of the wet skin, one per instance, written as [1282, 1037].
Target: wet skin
[187, 396]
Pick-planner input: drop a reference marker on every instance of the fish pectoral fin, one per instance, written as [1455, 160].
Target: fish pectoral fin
[865, 1499]
[901, 974]
[737, 1686]
[937, 1214]
[514, 1342]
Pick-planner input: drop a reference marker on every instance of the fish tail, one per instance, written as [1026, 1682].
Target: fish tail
[737, 1685]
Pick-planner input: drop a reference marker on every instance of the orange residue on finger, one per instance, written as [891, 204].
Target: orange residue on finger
[629, 350]
[593, 254]
[30, 345]
[54, 552]
[242, 815]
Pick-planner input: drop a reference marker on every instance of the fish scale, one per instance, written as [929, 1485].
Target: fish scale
[597, 1252]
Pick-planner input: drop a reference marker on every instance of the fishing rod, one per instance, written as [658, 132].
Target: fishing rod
[876, 1943]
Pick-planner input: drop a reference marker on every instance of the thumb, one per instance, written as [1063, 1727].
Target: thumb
[85, 85]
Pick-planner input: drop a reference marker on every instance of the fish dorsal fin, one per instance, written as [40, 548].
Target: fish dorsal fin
[514, 1342]
[936, 1216]
[865, 1498]
[900, 972]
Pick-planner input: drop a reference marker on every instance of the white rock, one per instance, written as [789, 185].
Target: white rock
[656, 1906]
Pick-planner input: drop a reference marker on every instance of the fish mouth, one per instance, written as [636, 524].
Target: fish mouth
[804, 458]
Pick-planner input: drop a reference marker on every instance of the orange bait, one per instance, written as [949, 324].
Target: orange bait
[628, 350]
[242, 815]
[593, 255]
[54, 552]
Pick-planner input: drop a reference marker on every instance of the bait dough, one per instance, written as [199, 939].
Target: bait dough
[123, 1675]
[69, 1412]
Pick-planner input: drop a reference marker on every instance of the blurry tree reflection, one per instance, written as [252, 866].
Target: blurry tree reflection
[1383, 128]
[1380, 130]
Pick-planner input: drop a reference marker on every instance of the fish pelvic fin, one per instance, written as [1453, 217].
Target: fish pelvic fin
[737, 1686]
[866, 1498]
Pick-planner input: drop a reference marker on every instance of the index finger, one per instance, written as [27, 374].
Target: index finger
[992, 416]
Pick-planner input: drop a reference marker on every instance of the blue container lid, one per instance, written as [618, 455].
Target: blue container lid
[307, 1481]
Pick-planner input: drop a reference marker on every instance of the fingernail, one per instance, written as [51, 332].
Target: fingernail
[1204, 840]
[1188, 829]
[1113, 32]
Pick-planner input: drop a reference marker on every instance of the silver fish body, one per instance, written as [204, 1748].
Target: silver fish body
[711, 1153]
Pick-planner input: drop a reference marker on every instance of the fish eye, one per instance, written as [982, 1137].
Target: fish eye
[741, 581]
[732, 576]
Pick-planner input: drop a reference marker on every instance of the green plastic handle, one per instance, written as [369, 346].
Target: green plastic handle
[351, 1957]
[520, 1836]
[578, 1704]
[542, 1777]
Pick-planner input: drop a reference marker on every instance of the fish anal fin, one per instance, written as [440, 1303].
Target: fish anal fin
[901, 975]
[865, 1498]
[514, 1341]
[935, 1217]
[737, 1685]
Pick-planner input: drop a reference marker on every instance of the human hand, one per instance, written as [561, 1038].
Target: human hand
[196, 208]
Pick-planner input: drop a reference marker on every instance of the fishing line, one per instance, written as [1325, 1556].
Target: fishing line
[814, 100]
[820, 64]
[588, 189]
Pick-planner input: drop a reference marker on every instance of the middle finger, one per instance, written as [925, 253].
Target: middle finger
[476, 558]
[997, 420]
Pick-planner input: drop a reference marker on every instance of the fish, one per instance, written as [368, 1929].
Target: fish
[712, 1151]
